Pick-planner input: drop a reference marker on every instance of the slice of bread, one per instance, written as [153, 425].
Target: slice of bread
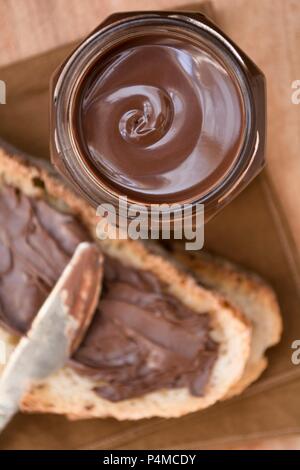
[67, 392]
[249, 293]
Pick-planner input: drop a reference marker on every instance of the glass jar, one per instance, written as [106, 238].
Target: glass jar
[99, 177]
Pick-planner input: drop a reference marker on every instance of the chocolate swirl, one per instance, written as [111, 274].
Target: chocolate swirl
[161, 119]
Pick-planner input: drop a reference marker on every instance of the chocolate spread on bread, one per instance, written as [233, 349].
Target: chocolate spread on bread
[141, 339]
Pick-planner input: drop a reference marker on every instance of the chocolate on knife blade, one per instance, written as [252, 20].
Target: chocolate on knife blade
[56, 330]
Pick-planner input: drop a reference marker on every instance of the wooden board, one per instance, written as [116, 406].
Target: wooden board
[268, 31]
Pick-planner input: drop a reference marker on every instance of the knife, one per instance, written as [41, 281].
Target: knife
[56, 331]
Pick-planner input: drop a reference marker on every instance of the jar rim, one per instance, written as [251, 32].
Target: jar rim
[74, 70]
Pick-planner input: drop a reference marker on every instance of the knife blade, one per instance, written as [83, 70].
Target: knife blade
[56, 331]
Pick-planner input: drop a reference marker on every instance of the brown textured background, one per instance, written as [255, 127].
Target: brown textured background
[268, 30]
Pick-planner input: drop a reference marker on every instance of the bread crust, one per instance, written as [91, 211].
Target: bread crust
[67, 392]
[249, 293]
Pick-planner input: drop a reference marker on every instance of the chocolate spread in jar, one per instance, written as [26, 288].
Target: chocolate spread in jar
[161, 119]
[141, 338]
